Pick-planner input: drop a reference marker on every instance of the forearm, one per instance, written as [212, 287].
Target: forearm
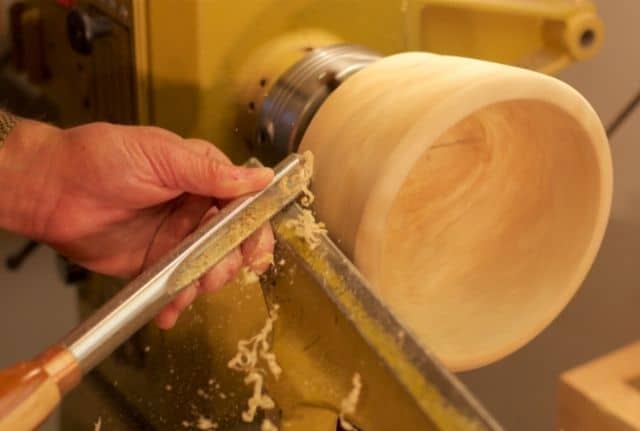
[24, 178]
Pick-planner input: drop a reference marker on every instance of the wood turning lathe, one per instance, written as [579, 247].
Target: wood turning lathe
[465, 199]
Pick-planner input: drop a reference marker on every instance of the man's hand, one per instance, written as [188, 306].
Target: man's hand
[116, 198]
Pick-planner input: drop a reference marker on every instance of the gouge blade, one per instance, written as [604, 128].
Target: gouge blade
[242, 219]
[140, 300]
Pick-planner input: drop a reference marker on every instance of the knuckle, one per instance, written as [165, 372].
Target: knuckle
[212, 169]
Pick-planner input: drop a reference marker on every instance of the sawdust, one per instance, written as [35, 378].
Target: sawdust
[202, 423]
[210, 393]
[267, 425]
[350, 402]
[247, 360]
[307, 228]
[203, 394]
[98, 425]
[205, 424]
[248, 276]
[266, 259]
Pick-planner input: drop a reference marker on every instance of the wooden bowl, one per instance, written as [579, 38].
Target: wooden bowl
[473, 196]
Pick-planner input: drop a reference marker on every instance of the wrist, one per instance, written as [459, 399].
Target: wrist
[26, 159]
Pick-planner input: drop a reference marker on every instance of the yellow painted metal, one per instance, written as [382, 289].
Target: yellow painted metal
[197, 48]
[321, 346]
[180, 375]
[545, 35]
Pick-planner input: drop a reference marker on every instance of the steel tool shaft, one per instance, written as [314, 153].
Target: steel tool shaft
[146, 295]
[29, 391]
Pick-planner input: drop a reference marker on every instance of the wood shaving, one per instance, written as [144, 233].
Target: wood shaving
[250, 353]
[248, 276]
[350, 402]
[267, 425]
[98, 425]
[265, 259]
[205, 424]
[301, 178]
[258, 398]
[307, 228]
[201, 423]
[202, 394]
[307, 197]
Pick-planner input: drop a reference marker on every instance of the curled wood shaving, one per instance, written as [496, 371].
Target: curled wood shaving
[306, 226]
[350, 402]
[307, 197]
[250, 353]
[258, 399]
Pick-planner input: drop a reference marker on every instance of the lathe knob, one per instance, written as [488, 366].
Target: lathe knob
[83, 29]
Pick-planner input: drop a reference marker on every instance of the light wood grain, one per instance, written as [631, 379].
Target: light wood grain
[602, 394]
[27, 396]
[473, 196]
[31, 390]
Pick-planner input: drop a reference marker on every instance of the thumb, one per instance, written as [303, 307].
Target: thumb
[198, 174]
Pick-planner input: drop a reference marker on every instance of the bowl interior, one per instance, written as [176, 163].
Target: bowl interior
[492, 231]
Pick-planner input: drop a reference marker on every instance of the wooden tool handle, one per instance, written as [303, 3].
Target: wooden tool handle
[30, 391]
